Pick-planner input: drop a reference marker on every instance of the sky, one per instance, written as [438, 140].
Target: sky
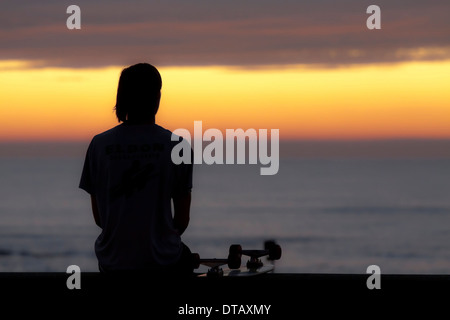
[311, 69]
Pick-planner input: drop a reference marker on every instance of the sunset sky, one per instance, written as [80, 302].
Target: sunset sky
[309, 68]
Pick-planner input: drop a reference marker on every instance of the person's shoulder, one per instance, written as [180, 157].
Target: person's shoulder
[109, 132]
[164, 133]
[172, 138]
[161, 130]
[105, 136]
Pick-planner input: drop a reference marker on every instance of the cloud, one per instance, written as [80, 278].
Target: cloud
[235, 33]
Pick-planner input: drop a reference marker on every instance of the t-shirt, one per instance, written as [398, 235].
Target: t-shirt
[129, 170]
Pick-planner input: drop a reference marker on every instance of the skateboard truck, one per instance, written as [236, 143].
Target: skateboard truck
[233, 261]
[271, 249]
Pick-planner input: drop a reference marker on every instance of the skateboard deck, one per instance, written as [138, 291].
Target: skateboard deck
[243, 272]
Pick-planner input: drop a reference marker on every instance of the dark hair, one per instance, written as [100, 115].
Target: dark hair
[138, 92]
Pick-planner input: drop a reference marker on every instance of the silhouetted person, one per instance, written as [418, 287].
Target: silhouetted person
[132, 181]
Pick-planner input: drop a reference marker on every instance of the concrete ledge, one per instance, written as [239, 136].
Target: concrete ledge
[287, 294]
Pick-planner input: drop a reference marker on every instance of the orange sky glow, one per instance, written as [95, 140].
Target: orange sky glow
[408, 100]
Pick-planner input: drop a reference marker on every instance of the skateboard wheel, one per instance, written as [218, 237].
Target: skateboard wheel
[275, 252]
[195, 259]
[269, 244]
[235, 249]
[234, 261]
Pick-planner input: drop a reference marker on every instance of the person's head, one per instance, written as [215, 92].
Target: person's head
[138, 93]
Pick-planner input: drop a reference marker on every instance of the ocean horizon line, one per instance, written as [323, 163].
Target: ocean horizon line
[289, 148]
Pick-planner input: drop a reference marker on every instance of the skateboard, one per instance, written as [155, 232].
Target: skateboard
[253, 267]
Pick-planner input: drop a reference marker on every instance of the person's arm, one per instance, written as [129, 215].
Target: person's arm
[182, 206]
[95, 210]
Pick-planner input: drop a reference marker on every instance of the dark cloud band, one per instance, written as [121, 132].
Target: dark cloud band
[236, 33]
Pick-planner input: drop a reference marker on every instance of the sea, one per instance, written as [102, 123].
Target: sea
[333, 207]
